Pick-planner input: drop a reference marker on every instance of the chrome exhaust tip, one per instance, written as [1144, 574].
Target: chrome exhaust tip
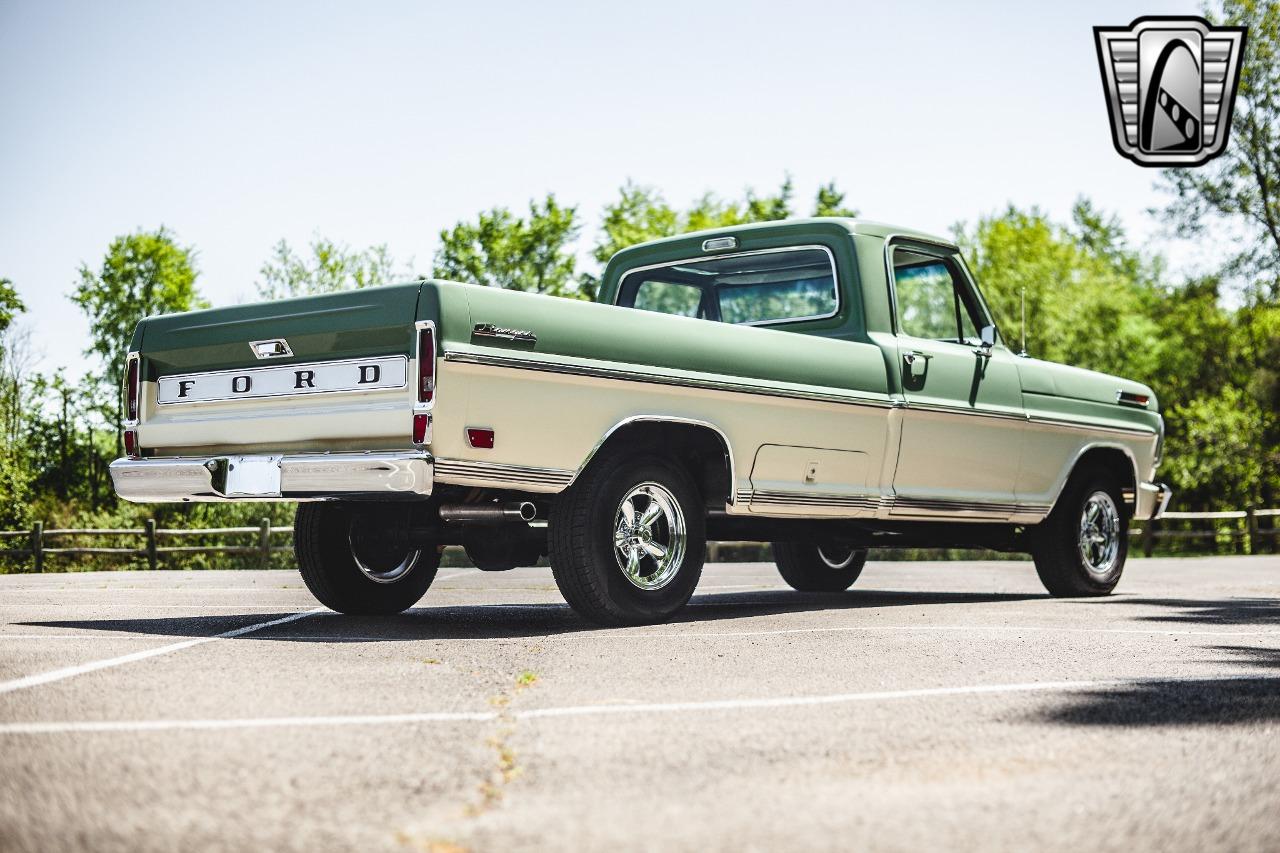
[507, 513]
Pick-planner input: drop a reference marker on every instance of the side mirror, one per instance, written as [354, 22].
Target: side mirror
[987, 336]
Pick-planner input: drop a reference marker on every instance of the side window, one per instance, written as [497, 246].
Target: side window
[934, 302]
[746, 288]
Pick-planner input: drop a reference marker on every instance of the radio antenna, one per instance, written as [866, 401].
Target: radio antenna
[1024, 322]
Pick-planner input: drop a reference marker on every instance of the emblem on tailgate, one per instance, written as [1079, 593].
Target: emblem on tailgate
[275, 348]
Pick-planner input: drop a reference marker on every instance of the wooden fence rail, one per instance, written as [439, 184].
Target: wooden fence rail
[151, 550]
[1242, 531]
[1252, 531]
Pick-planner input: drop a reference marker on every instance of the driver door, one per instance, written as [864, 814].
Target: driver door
[963, 423]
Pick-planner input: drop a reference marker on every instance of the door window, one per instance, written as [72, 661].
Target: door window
[934, 302]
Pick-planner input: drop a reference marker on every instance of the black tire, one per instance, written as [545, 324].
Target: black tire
[588, 567]
[332, 540]
[810, 567]
[1057, 543]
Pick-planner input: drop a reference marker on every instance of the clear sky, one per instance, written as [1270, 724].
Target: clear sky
[237, 124]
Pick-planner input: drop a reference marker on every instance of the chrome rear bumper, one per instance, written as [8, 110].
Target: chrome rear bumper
[403, 475]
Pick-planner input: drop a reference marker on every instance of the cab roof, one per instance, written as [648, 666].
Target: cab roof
[757, 235]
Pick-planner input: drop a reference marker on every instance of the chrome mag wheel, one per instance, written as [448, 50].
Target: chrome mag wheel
[649, 536]
[837, 556]
[1099, 535]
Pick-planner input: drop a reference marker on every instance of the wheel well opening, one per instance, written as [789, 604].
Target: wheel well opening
[700, 449]
[1115, 462]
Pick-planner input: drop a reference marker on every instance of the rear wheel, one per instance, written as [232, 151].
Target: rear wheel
[627, 541]
[1080, 549]
[350, 560]
[825, 567]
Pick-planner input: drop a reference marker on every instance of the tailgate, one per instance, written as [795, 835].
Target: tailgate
[343, 384]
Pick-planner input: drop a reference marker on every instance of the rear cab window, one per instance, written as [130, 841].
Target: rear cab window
[745, 288]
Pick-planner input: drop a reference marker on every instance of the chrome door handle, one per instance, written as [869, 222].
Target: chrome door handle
[916, 362]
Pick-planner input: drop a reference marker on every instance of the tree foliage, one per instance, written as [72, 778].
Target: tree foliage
[501, 249]
[327, 267]
[10, 304]
[641, 213]
[1241, 188]
[144, 273]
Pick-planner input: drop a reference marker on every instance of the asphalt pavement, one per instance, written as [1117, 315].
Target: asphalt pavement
[934, 706]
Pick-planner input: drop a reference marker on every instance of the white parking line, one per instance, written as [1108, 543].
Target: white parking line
[93, 666]
[745, 704]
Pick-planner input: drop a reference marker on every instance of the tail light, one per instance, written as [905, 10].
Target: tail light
[426, 363]
[131, 444]
[131, 388]
[421, 428]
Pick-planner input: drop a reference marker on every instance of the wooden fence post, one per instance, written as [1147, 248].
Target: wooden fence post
[153, 555]
[37, 545]
[1251, 521]
[264, 543]
[1149, 537]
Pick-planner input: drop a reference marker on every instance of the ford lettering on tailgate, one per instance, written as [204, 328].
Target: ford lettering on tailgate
[366, 374]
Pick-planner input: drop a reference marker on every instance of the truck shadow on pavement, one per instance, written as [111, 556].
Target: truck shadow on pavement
[1210, 701]
[515, 621]
[1224, 611]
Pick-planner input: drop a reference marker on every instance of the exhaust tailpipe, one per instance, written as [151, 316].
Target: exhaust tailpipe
[508, 513]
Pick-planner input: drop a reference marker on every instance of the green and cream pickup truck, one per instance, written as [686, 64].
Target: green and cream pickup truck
[827, 385]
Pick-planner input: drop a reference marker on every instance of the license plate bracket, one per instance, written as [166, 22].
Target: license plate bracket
[252, 477]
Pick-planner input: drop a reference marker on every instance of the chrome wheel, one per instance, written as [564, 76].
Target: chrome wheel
[837, 556]
[1099, 535]
[378, 561]
[649, 534]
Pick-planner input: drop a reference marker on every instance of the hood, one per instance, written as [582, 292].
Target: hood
[1075, 383]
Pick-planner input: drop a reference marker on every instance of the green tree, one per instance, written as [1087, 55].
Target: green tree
[15, 477]
[1212, 452]
[143, 273]
[1241, 188]
[329, 267]
[501, 249]
[830, 202]
[642, 213]
[10, 304]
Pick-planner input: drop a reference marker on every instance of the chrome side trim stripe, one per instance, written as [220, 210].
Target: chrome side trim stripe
[511, 475]
[1092, 427]
[765, 497]
[948, 506]
[657, 379]
[957, 410]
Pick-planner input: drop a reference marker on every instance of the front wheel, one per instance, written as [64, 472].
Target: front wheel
[627, 541]
[826, 567]
[350, 560]
[1080, 549]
